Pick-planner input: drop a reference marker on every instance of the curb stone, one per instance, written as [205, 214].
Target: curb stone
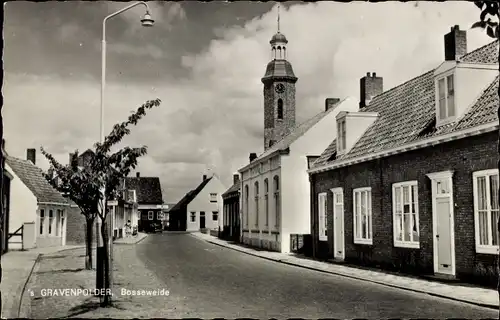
[24, 311]
[484, 305]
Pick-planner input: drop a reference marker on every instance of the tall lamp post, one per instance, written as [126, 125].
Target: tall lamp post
[146, 21]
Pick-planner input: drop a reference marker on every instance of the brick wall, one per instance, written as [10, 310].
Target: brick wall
[463, 156]
[75, 227]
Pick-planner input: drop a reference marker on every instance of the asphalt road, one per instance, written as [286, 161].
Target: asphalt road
[212, 281]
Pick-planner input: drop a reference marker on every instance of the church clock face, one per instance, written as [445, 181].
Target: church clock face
[280, 88]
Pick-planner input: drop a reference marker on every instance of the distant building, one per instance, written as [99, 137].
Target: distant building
[200, 208]
[231, 218]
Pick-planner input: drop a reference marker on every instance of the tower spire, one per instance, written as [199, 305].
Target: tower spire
[279, 17]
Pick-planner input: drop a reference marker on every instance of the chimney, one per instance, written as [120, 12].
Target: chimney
[455, 44]
[204, 177]
[138, 174]
[236, 178]
[330, 102]
[71, 156]
[253, 156]
[31, 155]
[369, 87]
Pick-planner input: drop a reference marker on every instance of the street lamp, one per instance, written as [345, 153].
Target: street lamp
[147, 21]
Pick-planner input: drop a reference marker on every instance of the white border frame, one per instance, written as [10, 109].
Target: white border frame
[443, 175]
[362, 241]
[404, 244]
[481, 248]
[322, 237]
[340, 191]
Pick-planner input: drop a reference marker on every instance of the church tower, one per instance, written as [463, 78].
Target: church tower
[279, 92]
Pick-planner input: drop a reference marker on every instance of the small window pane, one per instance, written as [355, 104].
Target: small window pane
[416, 237]
[397, 225]
[494, 227]
[481, 193]
[483, 228]
[407, 227]
[494, 192]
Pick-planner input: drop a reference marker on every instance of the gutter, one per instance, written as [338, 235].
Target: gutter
[485, 128]
[54, 203]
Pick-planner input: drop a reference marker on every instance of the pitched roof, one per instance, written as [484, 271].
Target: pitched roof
[407, 113]
[234, 188]
[148, 189]
[188, 197]
[296, 133]
[34, 179]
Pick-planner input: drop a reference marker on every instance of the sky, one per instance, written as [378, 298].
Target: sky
[205, 62]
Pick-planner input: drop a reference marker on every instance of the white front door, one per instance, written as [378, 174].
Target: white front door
[338, 224]
[443, 222]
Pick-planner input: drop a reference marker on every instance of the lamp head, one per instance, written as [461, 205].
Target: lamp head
[147, 21]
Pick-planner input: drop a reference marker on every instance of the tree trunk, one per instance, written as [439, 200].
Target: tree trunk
[106, 301]
[88, 243]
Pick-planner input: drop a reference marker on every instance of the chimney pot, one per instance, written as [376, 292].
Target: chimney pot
[31, 155]
[368, 74]
[455, 44]
[369, 88]
[253, 156]
[138, 174]
[236, 178]
[330, 102]
[204, 177]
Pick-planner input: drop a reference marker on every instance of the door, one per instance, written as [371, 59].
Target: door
[202, 220]
[338, 224]
[443, 225]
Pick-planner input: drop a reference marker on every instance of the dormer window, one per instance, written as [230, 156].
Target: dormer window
[445, 99]
[341, 138]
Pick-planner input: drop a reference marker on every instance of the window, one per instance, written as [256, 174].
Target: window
[362, 215]
[215, 215]
[446, 98]
[277, 200]
[42, 220]
[51, 220]
[280, 109]
[485, 186]
[213, 197]
[193, 216]
[341, 139]
[159, 216]
[266, 200]
[151, 215]
[245, 213]
[322, 220]
[256, 204]
[58, 219]
[131, 195]
[405, 214]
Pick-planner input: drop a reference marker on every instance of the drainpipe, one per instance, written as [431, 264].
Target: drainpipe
[313, 214]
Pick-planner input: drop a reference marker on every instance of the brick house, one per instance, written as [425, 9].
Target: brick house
[148, 195]
[407, 185]
[231, 215]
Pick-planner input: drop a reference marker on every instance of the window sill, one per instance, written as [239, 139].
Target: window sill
[411, 245]
[323, 238]
[487, 249]
[363, 241]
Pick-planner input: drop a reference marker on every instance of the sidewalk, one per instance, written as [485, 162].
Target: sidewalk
[17, 267]
[469, 294]
[131, 240]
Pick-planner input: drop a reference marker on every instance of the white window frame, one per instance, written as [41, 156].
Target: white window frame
[322, 217]
[134, 195]
[192, 215]
[489, 248]
[358, 240]
[159, 215]
[341, 134]
[151, 215]
[395, 188]
[213, 197]
[42, 222]
[448, 118]
[50, 230]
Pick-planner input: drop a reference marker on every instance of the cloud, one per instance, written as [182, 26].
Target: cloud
[213, 118]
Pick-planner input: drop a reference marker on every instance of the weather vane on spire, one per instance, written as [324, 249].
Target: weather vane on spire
[278, 17]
